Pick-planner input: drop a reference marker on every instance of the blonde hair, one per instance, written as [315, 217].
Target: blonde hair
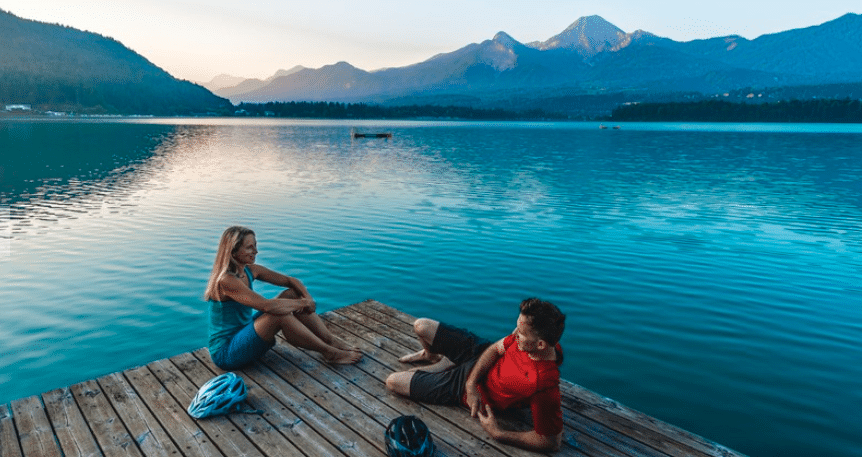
[231, 240]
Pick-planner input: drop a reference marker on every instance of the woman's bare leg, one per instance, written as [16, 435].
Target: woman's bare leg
[314, 323]
[297, 334]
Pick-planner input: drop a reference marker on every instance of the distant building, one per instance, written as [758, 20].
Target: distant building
[17, 107]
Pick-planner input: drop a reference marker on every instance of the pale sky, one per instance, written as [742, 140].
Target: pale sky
[197, 39]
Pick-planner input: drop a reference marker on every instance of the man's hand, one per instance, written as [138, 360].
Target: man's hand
[474, 399]
[527, 440]
[489, 422]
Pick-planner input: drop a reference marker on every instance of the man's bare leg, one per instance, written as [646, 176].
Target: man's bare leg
[426, 330]
[399, 382]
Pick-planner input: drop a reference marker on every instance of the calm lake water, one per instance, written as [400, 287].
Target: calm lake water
[710, 273]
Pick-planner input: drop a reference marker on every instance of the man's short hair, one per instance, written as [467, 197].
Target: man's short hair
[545, 318]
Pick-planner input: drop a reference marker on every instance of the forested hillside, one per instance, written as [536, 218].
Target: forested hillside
[53, 67]
[846, 110]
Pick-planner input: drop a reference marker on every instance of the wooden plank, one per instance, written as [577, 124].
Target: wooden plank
[255, 426]
[369, 394]
[662, 436]
[152, 439]
[220, 429]
[182, 429]
[111, 434]
[299, 402]
[280, 416]
[643, 428]
[388, 310]
[34, 430]
[9, 446]
[328, 402]
[70, 427]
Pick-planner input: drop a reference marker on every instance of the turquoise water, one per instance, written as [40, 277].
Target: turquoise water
[710, 272]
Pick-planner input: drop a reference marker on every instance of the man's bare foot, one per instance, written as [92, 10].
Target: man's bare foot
[420, 356]
[436, 367]
[340, 356]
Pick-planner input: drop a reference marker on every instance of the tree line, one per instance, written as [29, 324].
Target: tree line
[337, 110]
[821, 110]
[159, 96]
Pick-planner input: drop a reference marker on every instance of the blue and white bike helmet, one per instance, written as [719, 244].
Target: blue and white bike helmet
[218, 396]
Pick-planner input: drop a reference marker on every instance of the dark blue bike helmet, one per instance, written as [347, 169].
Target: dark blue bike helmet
[408, 436]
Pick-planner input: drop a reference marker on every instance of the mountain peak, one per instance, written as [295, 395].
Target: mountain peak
[592, 25]
[341, 65]
[505, 39]
[588, 35]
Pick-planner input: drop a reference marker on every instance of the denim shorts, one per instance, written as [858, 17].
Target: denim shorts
[244, 348]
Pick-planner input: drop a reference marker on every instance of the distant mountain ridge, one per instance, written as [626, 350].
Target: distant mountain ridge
[591, 57]
[54, 67]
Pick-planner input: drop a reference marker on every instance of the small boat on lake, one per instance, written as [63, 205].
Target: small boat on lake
[355, 134]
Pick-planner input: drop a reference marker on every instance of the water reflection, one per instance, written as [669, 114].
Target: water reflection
[54, 170]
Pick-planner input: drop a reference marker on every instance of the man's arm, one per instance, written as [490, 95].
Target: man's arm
[531, 440]
[480, 369]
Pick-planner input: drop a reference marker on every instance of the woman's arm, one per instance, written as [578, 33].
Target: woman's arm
[237, 290]
[277, 279]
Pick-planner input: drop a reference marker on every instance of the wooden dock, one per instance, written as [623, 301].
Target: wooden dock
[310, 409]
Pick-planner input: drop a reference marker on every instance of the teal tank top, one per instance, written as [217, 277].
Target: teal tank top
[227, 318]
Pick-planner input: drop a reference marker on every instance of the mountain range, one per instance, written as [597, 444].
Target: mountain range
[588, 68]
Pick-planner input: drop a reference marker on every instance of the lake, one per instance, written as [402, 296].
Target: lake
[710, 272]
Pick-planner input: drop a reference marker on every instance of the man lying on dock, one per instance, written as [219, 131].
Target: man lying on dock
[520, 370]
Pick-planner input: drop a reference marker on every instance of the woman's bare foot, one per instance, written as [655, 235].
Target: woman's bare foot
[420, 356]
[337, 343]
[340, 356]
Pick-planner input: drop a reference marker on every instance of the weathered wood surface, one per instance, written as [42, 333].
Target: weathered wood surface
[309, 409]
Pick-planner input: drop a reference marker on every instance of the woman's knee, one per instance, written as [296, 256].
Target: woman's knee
[289, 294]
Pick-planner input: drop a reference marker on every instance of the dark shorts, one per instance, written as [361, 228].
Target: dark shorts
[244, 348]
[447, 387]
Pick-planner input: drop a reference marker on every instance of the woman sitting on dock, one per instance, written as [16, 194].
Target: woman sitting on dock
[243, 324]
